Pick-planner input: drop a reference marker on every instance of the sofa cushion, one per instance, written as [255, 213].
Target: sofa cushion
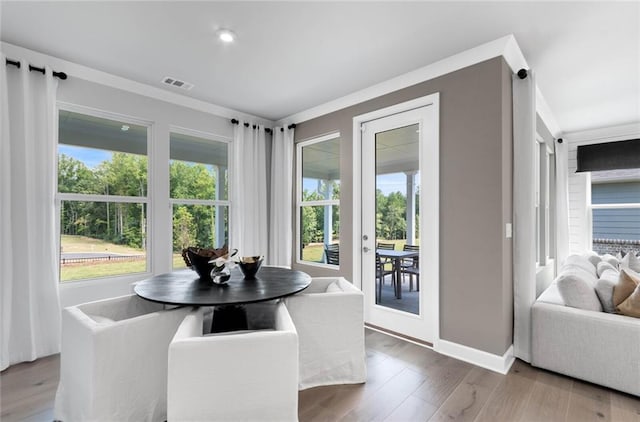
[603, 266]
[604, 289]
[593, 257]
[577, 292]
[611, 260]
[627, 283]
[579, 261]
[630, 261]
[551, 295]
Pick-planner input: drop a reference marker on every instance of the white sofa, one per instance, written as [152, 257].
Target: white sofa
[592, 345]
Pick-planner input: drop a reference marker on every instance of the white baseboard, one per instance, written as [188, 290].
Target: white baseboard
[496, 363]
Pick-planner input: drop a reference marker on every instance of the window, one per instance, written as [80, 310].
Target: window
[318, 200]
[199, 192]
[615, 207]
[102, 195]
[544, 198]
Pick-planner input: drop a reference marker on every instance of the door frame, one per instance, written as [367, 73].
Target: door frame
[431, 283]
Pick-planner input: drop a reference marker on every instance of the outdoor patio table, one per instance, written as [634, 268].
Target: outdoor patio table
[397, 257]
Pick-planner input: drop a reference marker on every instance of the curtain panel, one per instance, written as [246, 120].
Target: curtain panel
[30, 311]
[562, 203]
[524, 223]
[249, 206]
[281, 233]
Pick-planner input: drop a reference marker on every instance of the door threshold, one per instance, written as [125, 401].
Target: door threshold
[399, 335]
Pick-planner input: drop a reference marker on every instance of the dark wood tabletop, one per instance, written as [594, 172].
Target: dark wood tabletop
[184, 287]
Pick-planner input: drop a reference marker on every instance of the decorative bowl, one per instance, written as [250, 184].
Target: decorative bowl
[198, 259]
[249, 265]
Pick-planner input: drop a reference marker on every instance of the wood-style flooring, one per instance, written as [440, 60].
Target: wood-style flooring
[405, 382]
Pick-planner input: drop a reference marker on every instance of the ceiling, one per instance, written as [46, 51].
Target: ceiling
[292, 56]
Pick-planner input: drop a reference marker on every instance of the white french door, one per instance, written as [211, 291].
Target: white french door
[399, 206]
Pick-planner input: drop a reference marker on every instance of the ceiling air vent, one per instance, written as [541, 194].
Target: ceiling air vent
[177, 83]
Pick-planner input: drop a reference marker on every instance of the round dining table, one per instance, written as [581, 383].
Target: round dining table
[184, 287]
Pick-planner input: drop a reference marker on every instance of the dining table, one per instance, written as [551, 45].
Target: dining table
[185, 288]
[397, 257]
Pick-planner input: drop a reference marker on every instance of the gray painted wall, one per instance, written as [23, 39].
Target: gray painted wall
[476, 302]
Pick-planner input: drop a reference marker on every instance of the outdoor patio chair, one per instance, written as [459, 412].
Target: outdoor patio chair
[411, 266]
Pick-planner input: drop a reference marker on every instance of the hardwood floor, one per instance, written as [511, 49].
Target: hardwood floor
[405, 382]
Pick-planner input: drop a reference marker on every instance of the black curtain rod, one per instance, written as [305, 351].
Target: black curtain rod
[268, 130]
[59, 75]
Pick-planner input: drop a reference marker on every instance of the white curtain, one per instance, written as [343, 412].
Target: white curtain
[249, 191]
[281, 233]
[28, 255]
[562, 202]
[524, 243]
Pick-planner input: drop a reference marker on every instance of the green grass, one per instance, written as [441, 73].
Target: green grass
[314, 252]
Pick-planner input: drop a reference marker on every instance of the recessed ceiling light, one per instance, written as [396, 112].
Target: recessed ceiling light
[124, 128]
[226, 35]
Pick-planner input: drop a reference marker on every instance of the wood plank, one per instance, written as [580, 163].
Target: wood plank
[413, 409]
[589, 403]
[469, 397]
[510, 397]
[549, 400]
[624, 407]
[381, 404]
[441, 380]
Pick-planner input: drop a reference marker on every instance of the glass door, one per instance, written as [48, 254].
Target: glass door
[398, 233]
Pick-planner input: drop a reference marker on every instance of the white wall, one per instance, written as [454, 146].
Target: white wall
[579, 183]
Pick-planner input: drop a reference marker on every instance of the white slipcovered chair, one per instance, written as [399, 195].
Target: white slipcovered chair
[247, 375]
[113, 362]
[329, 318]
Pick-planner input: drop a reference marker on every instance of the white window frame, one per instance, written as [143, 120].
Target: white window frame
[300, 203]
[208, 202]
[543, 160]
[61, 196]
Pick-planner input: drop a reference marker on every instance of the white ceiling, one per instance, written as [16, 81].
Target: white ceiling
[292, 56]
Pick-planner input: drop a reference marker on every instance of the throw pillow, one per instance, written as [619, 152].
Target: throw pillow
[604, 289]
[603, 266]
[578, 293]
[627, 283]
[631, 305]
[333, 288]
[611, 260]
[579, 261]
[593, 257]
[631, 261]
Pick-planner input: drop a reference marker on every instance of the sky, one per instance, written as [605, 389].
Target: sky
[89, 156]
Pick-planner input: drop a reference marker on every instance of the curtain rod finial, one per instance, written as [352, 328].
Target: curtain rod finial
[522, 73]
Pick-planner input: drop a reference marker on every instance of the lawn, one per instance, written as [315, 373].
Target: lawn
[314, 252]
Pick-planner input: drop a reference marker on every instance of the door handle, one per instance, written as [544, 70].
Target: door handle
[366, 249]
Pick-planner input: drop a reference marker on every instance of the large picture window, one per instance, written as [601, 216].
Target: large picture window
[318, 200]
[199, 192]
[102, 194]
[615, 207]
